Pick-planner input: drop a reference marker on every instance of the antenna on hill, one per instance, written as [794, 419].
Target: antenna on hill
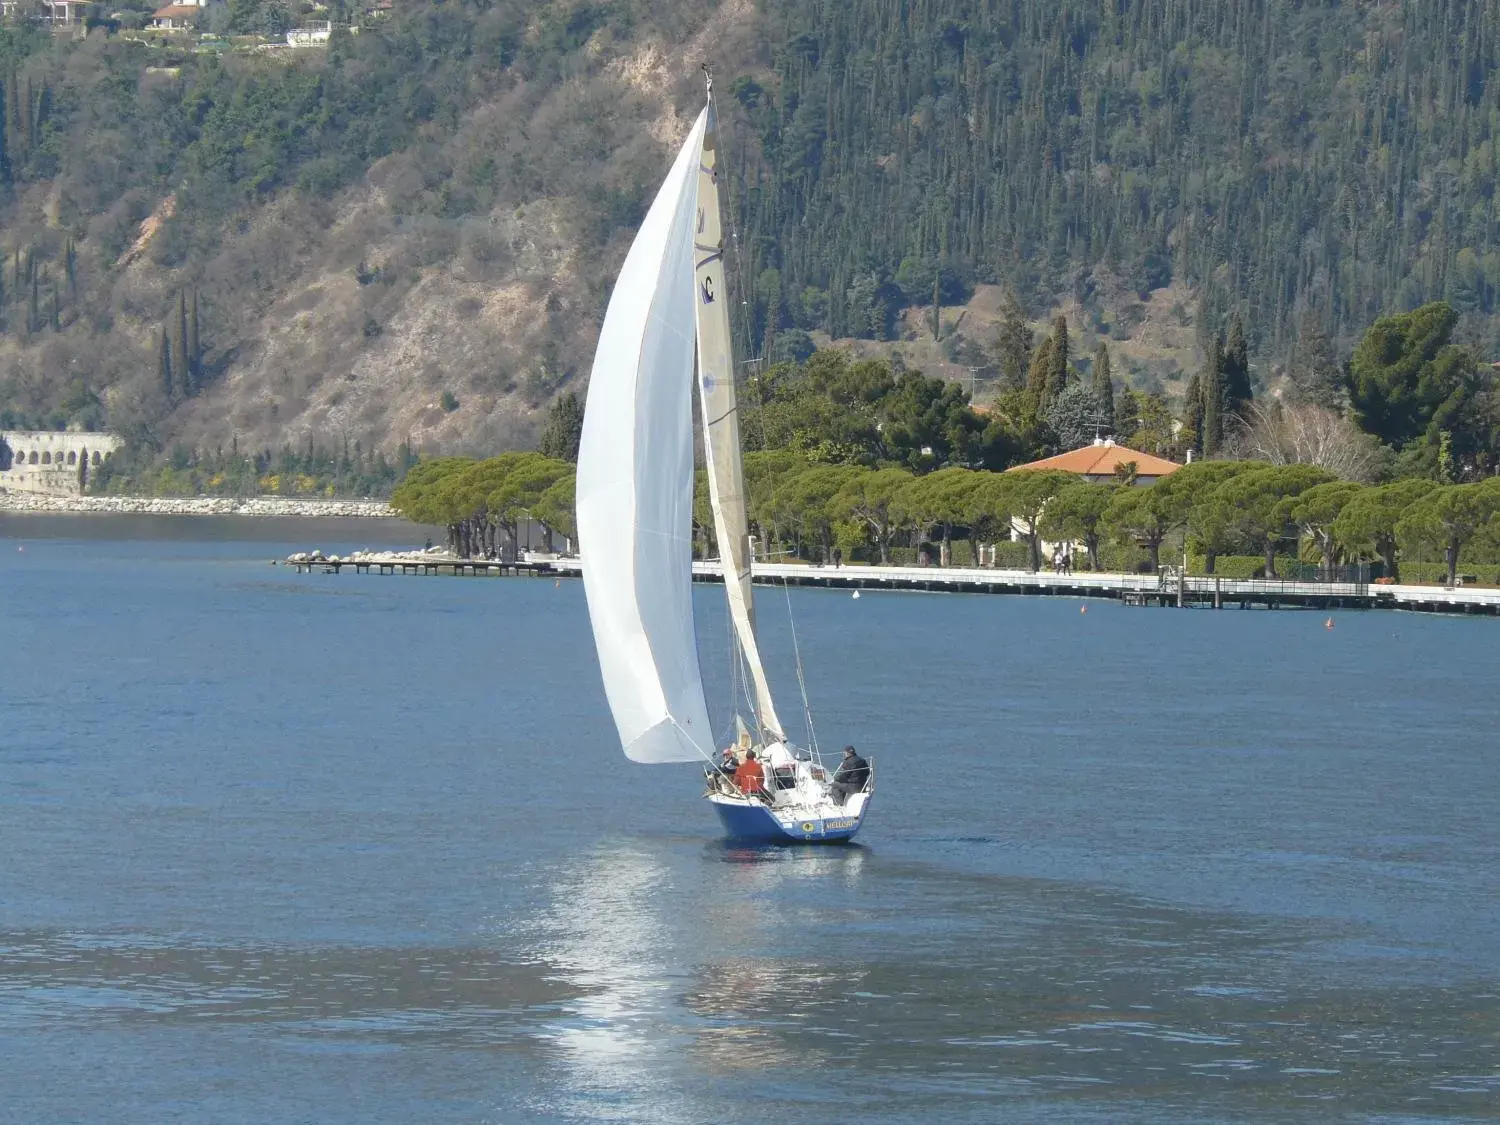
[973, 380]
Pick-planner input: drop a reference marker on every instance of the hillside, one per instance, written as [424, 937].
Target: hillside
[409, 234]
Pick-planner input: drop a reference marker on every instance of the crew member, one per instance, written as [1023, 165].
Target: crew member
[852, 776]
[751, 777]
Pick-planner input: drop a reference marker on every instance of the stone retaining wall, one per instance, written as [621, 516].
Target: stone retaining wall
[195, 505]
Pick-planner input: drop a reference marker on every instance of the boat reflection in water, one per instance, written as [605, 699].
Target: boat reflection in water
[664, 965]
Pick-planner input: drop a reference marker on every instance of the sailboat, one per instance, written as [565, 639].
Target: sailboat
[635, 510]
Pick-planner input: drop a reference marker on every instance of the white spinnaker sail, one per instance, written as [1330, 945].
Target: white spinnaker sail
[635, 484]
[721, 425]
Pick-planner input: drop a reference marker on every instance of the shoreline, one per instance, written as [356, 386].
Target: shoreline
[39, 504]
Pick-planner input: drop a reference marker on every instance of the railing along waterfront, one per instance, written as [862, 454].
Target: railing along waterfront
[1165, 589]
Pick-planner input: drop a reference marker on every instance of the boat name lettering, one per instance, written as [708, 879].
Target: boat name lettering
[841, 822]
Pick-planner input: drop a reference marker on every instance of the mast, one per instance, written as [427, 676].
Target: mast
[721, 423]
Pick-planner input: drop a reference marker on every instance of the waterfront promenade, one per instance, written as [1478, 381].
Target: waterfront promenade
[1166, 589]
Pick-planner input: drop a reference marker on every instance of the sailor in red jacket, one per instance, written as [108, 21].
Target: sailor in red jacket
[750, 776]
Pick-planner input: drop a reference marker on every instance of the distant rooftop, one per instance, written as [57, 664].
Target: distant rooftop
[1101, 459]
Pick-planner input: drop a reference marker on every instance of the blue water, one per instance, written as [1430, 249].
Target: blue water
[313, 848]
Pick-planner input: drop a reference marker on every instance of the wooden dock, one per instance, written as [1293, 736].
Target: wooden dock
[1161, 590]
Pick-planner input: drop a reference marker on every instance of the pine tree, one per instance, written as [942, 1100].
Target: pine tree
[1104, 388]
[182, 366]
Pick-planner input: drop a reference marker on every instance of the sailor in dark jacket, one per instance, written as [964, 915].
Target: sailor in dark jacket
[852, 776]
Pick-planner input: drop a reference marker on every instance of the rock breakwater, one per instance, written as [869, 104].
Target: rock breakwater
[196, 505]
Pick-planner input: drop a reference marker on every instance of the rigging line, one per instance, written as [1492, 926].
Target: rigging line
[812, 734]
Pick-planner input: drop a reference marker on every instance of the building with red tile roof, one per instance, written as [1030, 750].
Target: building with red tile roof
[1099, 461]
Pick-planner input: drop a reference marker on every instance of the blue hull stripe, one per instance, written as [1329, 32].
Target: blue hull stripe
[754, 823]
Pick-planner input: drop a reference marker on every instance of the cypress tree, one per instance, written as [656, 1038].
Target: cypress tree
[1127, 416]
[1236, 369]
[564, 428]
[1036, 380]
[181, 358]
[1104, 388]
[1057, 360]
[164, 364]
[1212, 391]
[1192, 413]
[34, 312]
[1013, 343]
[195, 346]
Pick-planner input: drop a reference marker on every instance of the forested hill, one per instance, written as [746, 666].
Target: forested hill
[1277, 156]
[410, 233]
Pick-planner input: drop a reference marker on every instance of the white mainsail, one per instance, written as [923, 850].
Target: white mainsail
[635, 484]
[721, 425]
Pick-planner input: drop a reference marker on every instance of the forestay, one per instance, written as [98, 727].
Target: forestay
[635, 484]
[721, 425]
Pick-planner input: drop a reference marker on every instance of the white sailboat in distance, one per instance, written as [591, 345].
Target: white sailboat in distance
[635, 512]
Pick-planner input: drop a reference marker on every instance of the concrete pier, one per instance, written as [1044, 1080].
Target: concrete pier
[1131, 589]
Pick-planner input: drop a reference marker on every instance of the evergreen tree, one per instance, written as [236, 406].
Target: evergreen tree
[1211, 390]
[164, 364]
[1316, 375]
[1074, 416]
[1236, 370]
[1104, 388]
[34, 310]
[1013, 344]
[1058, 370]
[182, 365]
[194, 344]
[564, 428]
[1127, 416]
[1192, 409]
[1036, 379]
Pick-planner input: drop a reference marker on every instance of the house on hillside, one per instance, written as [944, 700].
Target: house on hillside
[1100, 463]
[62, 13]
[313, 35]
[177, 17]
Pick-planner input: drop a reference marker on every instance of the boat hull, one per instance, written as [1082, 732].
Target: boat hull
[755, 823]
